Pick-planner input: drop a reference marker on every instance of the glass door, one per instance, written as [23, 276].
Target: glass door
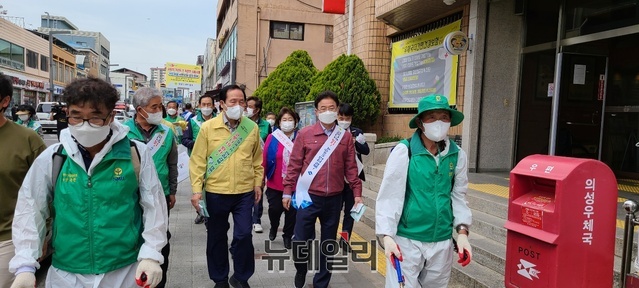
[581, 104]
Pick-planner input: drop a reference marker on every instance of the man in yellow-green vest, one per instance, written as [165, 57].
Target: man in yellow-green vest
[147, 128]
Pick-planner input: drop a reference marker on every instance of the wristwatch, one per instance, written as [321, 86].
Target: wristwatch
[462, 227]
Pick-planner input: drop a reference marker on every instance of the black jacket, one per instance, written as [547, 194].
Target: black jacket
[361, 149]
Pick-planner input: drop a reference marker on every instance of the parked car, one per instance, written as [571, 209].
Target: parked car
[121, 115]
[43, 112]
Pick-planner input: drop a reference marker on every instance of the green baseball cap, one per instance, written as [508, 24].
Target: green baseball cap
[436, 102]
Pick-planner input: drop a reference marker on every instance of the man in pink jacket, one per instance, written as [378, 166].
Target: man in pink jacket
[323, 155]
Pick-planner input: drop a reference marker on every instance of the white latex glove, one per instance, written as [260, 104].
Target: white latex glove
[464, 250]
[153, 273]
[361, 139]
[24, 280]
[390, 247]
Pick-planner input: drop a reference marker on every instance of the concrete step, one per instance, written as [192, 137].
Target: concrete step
[375, 170]
[489, 204]
[490, 226]
[369, 197]
[372, 183]
[368, 218]
[488, 253]
[476, 275]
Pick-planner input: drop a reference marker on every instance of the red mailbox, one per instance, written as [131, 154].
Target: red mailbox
[561, 223]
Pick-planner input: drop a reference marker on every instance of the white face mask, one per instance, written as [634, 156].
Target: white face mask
[88, 136]
[154, 118]
[24, 117]
[287, 126]
[171, 111]
[270, 122]
[233, 112]
[327, 117]
[250, 112]
[436, 131]
[206, 111]
[344, 124]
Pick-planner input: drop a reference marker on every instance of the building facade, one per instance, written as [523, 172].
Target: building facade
[158, 77]
[64, 66]
[125, 84]
[80, 39]
[209, 76]
[24, 58]
[254, 36]
[88, 61]
[528, 84]
[136, 79]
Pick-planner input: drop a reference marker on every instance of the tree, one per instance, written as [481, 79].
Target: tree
[288, 83]
[347, 77]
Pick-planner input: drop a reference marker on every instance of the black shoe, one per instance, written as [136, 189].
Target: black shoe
[238, 284]
[199, 219]
[272, 234]
[222, 285]
[300, 279]
[287, 243]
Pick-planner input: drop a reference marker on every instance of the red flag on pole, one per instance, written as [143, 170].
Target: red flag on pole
[334, 6]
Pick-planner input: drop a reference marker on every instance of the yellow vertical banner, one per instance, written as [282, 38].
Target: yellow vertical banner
[421, 66]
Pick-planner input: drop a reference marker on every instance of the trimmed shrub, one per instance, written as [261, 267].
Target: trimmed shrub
[288, 83]
[348, 78]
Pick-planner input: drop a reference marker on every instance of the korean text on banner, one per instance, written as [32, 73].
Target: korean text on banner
[183, 75]
[421, 66]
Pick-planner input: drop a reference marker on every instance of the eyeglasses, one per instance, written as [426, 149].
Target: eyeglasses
[95, 122]
[324, 109]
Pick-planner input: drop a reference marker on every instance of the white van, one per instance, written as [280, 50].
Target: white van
[43, 111]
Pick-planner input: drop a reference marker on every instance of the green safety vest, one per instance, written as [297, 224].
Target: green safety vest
[265, 128]
[428, 214]
[180, 132]
[159, 158]
[196, 127]
[97, 226]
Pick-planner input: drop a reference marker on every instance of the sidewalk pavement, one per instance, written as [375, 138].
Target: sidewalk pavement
[187, 265]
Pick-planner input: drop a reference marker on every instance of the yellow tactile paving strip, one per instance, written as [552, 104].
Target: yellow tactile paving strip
[381, 258]
[631, 186]
[493, 189]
